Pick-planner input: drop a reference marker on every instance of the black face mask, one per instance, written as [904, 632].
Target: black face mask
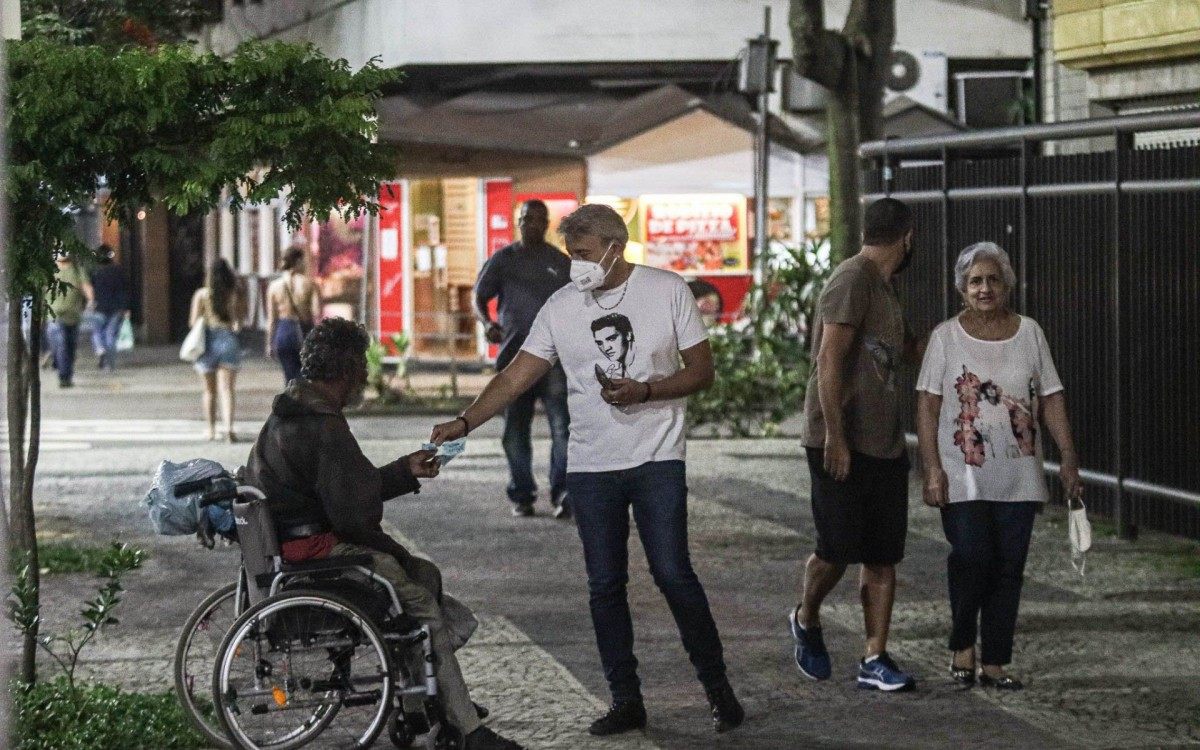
[908, 256]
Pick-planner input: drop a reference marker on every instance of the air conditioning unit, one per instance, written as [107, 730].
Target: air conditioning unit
[922, 76]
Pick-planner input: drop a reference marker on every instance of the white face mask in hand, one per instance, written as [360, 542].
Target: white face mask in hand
[1079, 532]
[588, 274]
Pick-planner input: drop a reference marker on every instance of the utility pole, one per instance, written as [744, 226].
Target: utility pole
[757, 77]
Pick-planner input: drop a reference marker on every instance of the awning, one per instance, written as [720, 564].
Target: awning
[561, 124]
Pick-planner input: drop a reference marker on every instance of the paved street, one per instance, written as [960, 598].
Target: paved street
[1110, 660]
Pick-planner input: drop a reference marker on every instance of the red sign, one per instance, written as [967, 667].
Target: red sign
[391, 262]
[695, 233]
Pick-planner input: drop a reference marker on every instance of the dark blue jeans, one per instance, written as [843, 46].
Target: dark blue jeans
[63, 340]
[287, 342]
[658, 494]
[986, 566]
[105, 330]
[518, 448]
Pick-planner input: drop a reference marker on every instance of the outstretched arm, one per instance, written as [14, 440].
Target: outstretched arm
[521, 375]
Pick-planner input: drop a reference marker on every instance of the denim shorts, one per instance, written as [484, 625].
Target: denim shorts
[221, 349]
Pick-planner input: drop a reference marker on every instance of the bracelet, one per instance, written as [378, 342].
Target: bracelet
[649, 391]
[466, 424]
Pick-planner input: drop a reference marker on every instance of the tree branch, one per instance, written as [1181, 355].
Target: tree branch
[820, 54]
[871, 31]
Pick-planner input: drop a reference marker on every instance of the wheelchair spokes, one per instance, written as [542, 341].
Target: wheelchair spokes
[305, 659]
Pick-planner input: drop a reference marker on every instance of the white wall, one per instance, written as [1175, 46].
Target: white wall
[505, 31]
[699, 153]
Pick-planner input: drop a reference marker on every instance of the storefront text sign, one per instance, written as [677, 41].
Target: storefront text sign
[695, 233]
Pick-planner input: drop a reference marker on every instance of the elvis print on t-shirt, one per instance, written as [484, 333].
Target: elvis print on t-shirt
[613, 335]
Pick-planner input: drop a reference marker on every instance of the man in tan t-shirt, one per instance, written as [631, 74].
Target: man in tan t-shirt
[855, 446]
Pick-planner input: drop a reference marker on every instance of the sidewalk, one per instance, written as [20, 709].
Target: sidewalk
[1110, 660]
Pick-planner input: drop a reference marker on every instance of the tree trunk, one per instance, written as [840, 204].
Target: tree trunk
[845, 205]
[22, 373]
[850, 64]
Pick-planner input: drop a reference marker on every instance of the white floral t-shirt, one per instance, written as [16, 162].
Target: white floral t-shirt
[635, 331]
[989, 433]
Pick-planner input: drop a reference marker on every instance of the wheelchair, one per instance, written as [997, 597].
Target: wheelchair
[311, 654]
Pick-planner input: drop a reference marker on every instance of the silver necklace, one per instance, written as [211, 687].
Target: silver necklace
[624, 288]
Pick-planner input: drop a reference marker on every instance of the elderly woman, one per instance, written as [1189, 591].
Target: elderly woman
[987, 378]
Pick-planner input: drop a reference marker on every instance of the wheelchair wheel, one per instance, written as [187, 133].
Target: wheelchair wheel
[303, 667]
[195, 655]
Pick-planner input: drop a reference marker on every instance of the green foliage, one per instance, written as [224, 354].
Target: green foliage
[55, 716]
[68, 557]
[382, 376]
[114, 23]
[177, 126]
[97, 613]
[762, 360]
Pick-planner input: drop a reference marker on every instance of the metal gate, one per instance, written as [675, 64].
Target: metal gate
[1106, 246]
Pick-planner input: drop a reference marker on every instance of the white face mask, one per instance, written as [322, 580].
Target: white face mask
[588, 274]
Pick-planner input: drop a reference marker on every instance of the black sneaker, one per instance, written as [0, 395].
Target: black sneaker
[485, 739]
[727, 713]
[522, 510]
[624, 716]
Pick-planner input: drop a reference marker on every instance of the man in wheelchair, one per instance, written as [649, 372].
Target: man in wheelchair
[327, 500]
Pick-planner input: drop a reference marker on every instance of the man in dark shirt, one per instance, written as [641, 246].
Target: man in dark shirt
[523, 275]
[111, 301]
[327, 499]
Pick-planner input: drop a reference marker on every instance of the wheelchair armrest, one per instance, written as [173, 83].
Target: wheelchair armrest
[338, 562]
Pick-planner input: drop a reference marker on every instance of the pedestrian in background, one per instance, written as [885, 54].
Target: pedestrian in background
[855, 446]
[66, 313]
[293, 308]
[111, 305]
[627, 445]
[222, 307]
[987, 377]
[523, 276]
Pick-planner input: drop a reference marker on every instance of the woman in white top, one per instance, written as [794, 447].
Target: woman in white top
[293, 308]
[986, 379]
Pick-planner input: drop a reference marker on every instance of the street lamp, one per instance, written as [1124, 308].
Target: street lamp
[756, 77]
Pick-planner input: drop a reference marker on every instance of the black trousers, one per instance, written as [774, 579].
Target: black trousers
[986, 566]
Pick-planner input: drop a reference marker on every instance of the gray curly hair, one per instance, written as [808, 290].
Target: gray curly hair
[335, 349]
[596, 219]
[972, 254]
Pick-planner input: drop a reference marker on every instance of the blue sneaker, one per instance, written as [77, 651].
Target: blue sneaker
[811, 656]
[881, 673]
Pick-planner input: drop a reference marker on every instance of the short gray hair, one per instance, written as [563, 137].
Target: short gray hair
[595, 219]
[972, 254]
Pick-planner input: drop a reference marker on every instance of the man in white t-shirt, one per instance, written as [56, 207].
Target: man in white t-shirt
[632, 343]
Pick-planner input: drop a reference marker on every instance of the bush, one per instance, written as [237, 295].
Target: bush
[68, 557]
[53, 716]
[762, 359]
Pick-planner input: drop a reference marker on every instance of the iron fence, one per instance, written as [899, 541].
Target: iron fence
[1106, 246]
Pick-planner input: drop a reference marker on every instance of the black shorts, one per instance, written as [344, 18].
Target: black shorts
[863, 519]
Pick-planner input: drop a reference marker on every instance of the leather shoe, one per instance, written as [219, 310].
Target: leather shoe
[623, 716]
[727, 713]
[485, 739]
[1000, 683]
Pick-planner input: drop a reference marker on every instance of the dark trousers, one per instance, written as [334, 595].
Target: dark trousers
[989, 542]
[63, 342]
[287, 342]
[657, 493]
[551, 390]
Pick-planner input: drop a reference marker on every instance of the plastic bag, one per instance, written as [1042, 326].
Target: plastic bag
[125, 336]
[178, 516]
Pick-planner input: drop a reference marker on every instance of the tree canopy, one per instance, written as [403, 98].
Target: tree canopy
[175, 125]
